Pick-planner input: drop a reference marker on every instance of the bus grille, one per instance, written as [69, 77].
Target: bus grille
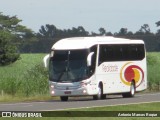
[67, 87]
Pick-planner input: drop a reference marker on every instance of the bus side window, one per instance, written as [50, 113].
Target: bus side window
[121, 52]
[133, 52]
[136, 52]
[141, 52]
[107, 53]
[102, 54]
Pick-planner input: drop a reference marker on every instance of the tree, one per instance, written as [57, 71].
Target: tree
[48, 31]
[8, 50]
[12, 35]
[102, 31]
[82, 32]
[145, 29]
[109, 34]
[158, 25]
[47, 36]
[123, 32]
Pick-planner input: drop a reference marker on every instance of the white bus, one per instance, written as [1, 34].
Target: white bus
[96, 66]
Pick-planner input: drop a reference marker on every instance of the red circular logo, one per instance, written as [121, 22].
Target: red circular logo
[131, 72]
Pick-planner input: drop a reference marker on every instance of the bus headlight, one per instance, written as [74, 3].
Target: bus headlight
[52, 92]
[52, 86]
[84, 91]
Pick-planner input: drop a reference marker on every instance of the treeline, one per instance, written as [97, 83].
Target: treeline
[24, 40]
[49, 34]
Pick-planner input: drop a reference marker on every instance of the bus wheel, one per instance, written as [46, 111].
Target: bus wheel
[99, 95]
[132, 91]
[64, 98]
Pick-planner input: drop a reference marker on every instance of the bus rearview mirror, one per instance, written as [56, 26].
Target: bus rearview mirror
[46, 60]
[89, 59]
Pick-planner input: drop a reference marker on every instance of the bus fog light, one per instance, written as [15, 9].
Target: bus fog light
[52, 92]
[84, 91]
[52, 86]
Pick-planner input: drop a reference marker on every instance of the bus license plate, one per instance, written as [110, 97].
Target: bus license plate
[67, 92]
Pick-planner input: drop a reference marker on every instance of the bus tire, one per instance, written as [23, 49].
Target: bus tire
[132, 91]
[100, 94]
[64, 98]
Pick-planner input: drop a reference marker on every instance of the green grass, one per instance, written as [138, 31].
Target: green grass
[17, 70]
[153, 63]
[133, 107]
[99, 110]
[24, 78]
[14, 99]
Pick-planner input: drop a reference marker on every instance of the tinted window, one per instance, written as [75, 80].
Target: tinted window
[121, 52]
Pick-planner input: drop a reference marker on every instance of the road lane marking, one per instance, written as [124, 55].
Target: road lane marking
[148, 94]
[15, 104]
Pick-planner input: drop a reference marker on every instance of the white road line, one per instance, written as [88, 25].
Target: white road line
[27, 106]
[15, 104]
[148, 94]
[22, 103]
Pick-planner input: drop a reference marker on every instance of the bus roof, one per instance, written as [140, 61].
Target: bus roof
[87, 42]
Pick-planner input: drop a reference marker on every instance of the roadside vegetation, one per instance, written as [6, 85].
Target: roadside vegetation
[27, 79]
[153, 63]
[132, 107]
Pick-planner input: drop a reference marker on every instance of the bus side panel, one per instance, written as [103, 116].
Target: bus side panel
[109, 74]
[117, 76]
[143, 84]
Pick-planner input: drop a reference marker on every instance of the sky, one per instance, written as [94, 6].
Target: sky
[91, 14]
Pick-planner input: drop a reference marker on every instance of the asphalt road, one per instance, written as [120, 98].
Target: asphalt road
[85, 102]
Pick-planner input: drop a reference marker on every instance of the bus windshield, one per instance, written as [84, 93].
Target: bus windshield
[68, 66]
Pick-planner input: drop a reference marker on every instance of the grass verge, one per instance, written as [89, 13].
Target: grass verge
[128, 108]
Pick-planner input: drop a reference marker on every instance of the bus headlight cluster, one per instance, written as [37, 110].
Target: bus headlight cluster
[52, 89]
[52, 92]
[52, 86]
[84, 91]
